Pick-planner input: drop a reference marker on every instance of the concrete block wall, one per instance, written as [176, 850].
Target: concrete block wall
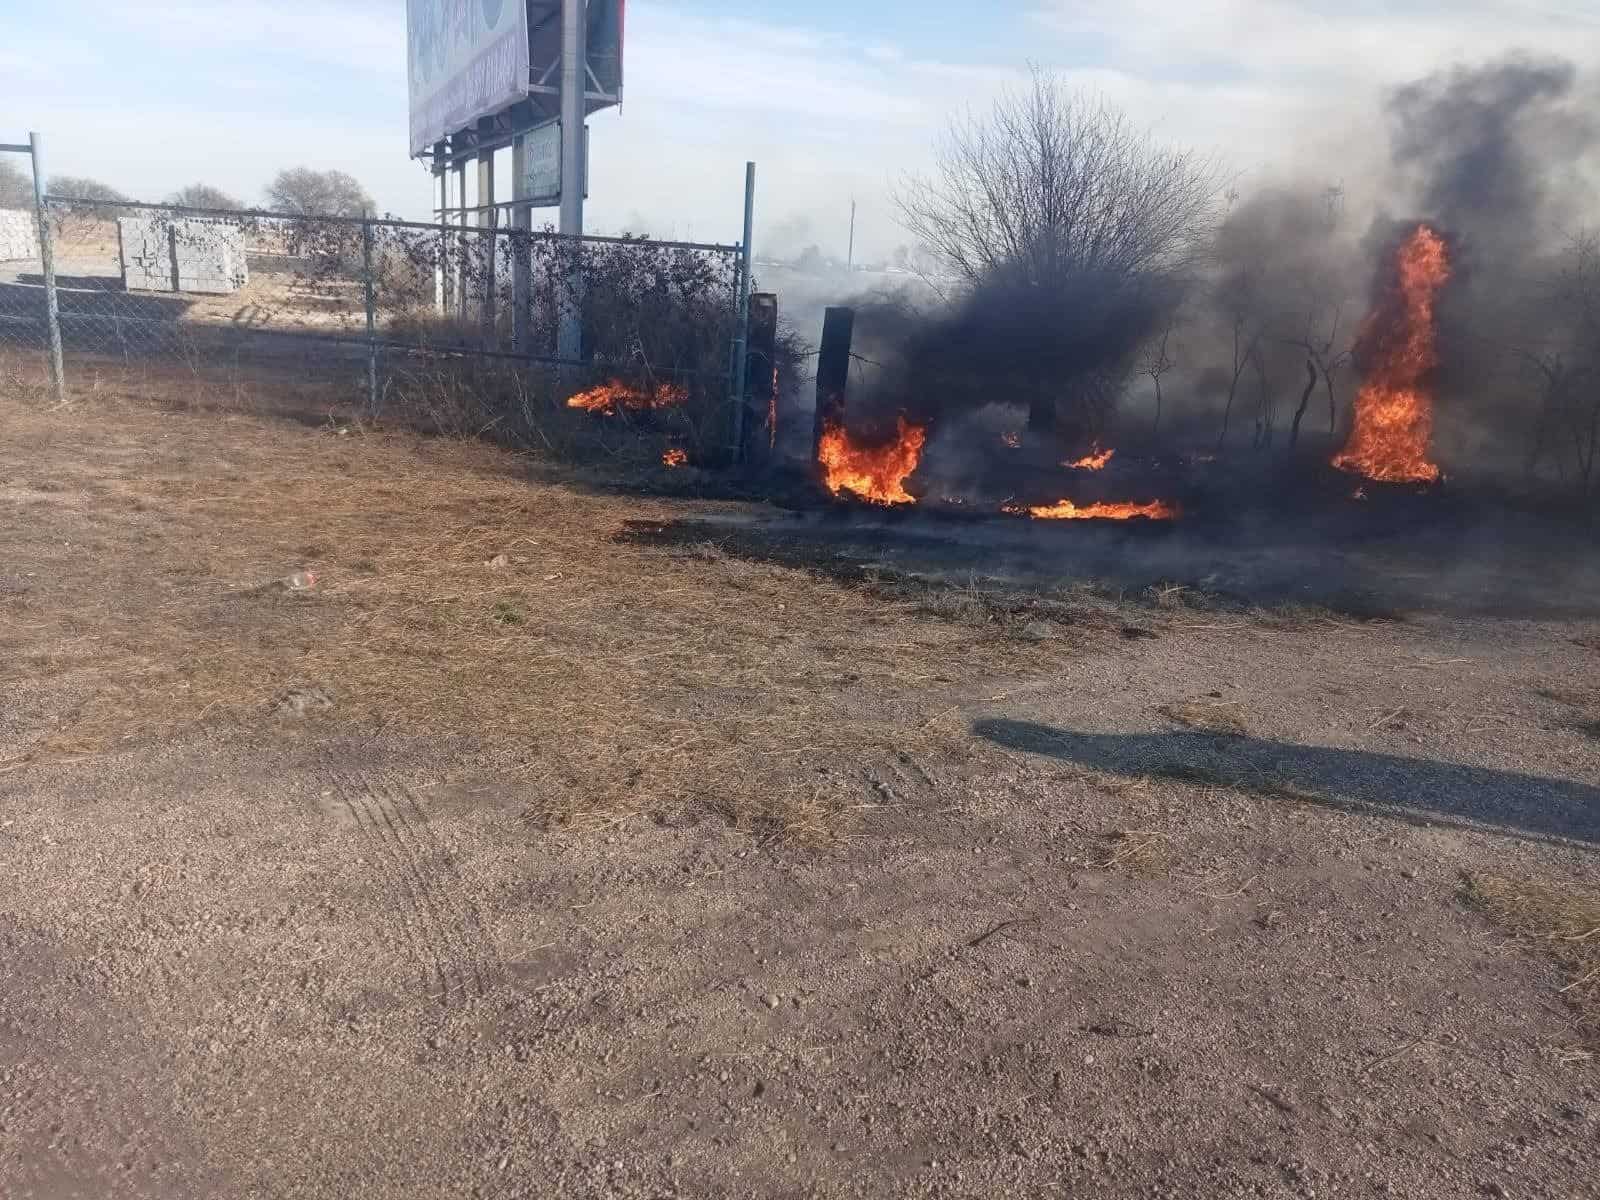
[19, 235]
[182, 254]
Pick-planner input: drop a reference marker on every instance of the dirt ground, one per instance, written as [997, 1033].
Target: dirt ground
[538, 849]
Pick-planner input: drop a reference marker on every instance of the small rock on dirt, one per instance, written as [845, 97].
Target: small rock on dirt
[498, 563]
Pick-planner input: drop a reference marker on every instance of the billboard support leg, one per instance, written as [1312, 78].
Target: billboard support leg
[574, 72]
[462, 273]
[441, 270]
[488, 218]
[521, 268]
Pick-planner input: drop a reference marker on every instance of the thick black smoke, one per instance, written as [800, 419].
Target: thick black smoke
[1503, 159]
[1060, 348]
[1496, 152]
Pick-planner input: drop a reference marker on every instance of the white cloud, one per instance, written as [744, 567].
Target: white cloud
[153, 95]
[364, 35]
[1308, 44]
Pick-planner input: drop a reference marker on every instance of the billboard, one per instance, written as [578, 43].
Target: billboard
[468, 59]
[604, 35]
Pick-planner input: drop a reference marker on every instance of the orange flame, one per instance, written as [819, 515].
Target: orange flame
[675, 458]
[874, 473]
[1066, 510]
[611, 397]
[1094, 461]
[1394, 410]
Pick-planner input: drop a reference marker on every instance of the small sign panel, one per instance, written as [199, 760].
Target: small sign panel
[542, 165]
[541, 170]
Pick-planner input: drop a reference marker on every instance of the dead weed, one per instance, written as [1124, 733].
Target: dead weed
[1144, 851]
[1562, 920]
[1224, 717]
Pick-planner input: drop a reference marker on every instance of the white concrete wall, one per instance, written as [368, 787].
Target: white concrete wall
[204, 256]
[19, 235]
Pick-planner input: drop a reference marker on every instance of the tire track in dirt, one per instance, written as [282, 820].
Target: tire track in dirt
[440, 924]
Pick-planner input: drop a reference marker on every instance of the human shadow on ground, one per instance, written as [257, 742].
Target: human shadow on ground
[1409, 789]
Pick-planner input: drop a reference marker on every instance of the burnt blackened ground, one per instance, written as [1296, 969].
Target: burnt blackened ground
[1397, 551]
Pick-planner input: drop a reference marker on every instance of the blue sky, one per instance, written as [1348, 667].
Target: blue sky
[832, 98]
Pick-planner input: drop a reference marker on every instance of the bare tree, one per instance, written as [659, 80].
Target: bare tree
[1283, 286]
[16, 189]
[1158, 363]
[1240, 298]
[90, 196]
[1056, 199]
[307, 192]
[203, 195]
[84, 205]
[1266, 402]
[1566, 359]
[1327, 348]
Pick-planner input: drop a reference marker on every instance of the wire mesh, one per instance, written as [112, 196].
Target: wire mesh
[23, 327]
[309, 312]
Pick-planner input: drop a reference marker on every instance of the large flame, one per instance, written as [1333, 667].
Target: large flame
[1095, 460]
[1066, 510]
[874, 473]
[614, 395]
[1394, 410]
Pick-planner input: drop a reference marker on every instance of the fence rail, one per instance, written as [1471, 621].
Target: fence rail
[359, 309]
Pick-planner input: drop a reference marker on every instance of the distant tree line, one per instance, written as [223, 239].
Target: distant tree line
[301, 191]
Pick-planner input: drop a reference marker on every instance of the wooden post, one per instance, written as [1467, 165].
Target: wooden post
[761, 379]
[833, 371]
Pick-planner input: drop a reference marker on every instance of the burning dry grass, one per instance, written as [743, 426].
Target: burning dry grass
[1562, 920]
[456, 599]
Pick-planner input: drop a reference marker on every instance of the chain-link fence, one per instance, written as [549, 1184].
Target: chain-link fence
[455, 328]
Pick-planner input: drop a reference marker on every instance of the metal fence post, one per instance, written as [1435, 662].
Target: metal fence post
[372, 313]
[47, 266]
[741, 346]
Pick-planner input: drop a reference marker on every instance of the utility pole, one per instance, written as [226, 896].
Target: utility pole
[850, 260]
[574, 80]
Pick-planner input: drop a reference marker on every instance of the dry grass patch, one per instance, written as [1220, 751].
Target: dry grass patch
[1144, 851]
[621, 678]
[1564, 921]
[1225, 717]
